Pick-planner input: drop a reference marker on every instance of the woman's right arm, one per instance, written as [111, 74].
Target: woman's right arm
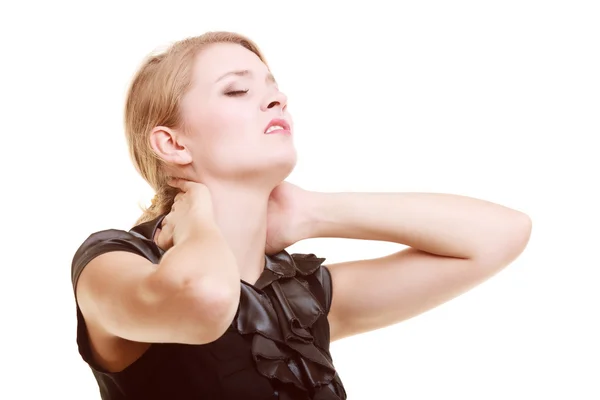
[190, 297]
[182, 300]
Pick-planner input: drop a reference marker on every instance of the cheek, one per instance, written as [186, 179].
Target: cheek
[227, 133]
[230, 123]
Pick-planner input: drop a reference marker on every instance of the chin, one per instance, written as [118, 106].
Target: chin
[266, 171]
[276, 167]
[281, 168]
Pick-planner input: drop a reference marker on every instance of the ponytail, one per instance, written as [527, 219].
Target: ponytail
[161, 204]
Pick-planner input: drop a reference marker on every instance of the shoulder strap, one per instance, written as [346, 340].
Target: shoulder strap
[320, 283]
[138, 240]
[107, 241]
[312, 270]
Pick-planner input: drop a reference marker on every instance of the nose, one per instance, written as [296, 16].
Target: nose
[275, 99]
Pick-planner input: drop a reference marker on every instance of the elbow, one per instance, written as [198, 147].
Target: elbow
[507, 242]
[216, 305]
[520, 235]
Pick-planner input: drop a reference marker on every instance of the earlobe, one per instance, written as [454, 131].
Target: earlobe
[167, 146]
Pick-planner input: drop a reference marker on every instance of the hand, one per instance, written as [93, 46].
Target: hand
[286, 217]
[191, 214]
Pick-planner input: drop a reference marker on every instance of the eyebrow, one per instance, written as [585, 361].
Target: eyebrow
[245, 72]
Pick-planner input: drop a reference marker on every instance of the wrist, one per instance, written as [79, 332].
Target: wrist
[314, 215]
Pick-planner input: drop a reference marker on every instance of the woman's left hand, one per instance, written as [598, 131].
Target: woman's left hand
[286, 217]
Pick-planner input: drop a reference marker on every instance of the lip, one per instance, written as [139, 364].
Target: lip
[279, 122]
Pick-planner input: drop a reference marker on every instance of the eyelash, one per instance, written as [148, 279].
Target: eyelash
[234, 93]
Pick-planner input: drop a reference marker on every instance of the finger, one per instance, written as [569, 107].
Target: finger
[156, 235]
[164, 240]
[164, 235]
[178, 196]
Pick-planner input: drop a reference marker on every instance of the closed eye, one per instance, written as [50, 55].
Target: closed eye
[234, 93]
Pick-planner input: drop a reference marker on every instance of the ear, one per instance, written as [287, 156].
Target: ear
[168, 146]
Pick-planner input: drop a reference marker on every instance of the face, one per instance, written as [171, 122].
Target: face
[233, 115]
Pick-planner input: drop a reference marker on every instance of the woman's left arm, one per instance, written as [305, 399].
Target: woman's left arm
[455, 243]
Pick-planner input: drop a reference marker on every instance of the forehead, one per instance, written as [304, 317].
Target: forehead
[220, 58]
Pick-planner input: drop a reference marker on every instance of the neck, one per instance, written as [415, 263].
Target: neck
[241, 214]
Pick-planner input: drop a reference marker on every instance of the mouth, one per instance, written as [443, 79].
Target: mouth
[277, 126]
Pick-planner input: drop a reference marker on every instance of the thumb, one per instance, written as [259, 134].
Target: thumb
[164, 238]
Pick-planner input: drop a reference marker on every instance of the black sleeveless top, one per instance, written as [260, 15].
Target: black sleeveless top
[277, 346]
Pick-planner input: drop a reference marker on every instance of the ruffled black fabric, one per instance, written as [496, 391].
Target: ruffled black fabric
[279, 311]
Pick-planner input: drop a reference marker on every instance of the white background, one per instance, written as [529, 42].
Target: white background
[496, 100]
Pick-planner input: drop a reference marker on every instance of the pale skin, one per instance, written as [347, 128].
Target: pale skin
[454, 242]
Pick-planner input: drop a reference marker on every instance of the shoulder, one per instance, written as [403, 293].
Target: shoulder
[111, 240]
[312, 267]
[308, 264]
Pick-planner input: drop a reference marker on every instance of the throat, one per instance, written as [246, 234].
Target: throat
[251, 263]
[242, 218]
[252, 275]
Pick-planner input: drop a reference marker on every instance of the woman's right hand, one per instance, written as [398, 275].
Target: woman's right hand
[191, 214]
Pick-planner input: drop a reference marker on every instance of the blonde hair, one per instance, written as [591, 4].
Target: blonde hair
[154, 99]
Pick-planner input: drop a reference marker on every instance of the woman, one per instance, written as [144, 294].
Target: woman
[200, 300]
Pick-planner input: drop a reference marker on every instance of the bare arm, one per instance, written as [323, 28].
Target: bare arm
[455, 243]
[190, 297]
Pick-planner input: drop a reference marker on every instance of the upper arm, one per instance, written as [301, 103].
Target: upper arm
[371, 294]
[119, 292]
